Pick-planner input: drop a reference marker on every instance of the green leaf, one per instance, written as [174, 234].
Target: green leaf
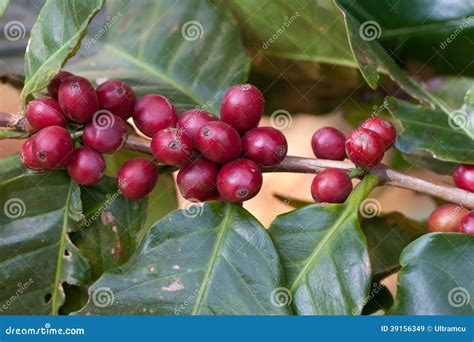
[112, 226]
[189, 51]
[3, 6]
[55, 37]
[324, 255]
[387, 236]
[206, 260]
[446, 136]
[298, 30]
[36, 254]
[436, 276]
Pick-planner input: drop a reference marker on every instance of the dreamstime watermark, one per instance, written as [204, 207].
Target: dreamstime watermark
[103, 297]
[103, 119]
[281, 296]
[46, 330]
[281, 119]
[282, 29]
[14, 30]
[110, 199]
[458, 296]
[14, 208]
[110, 21]
[376, 288]
[459, 120]
[191, 298]
[465, 22]
[192, 30]
[378, 110]
[370, 30]
[22, 287]
[193, 208]
[370, 208]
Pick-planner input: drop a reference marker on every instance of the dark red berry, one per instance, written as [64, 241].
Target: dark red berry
[239, 180]
[192, 120]
[78, 99]
[117, 97]
[383, 128]
[45, 112]
[242, 107]
[137, 178]
[53, 86]
[52, 147]
[171, 146]
[27, 157]
[467, 223]
[219, 142]
[463, 177]
[197, 180]
[153, 113]
[106, 133]
[266, 146]
[86, 166]
[446, 218]
[331, 186]
[364, 147]
[328, 143]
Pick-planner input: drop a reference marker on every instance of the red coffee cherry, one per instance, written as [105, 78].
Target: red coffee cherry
[154, 113]
[242, 107]
[106, 133]
[137, 178]
[463, 177]
[467, 223]
[53, 86]
[328, 143]
[266, 146]
[331, 186]
[364, 147]
[219, 142]
[78, 99]
[192, 120]
[383, 128]
[86, 166]
[27, 157]
[172, 146]
[52, 147]
[117, 97]
[446, 218]
[239, 181]
[44, 112]
[197, 180]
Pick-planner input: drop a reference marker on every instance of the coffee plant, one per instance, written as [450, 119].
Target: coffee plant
[129, 105]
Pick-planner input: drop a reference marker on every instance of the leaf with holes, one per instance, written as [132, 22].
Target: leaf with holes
[50, 46]
[189, 51]
[324, 255]
[36, 254]
[436, 276]
[199, 261]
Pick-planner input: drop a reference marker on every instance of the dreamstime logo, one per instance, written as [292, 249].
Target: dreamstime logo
[370, 30]
[192, 30]
[370, 208]
[14, 30]
[193, 209]
[281, 296]
[459, 119]
[458, 296]
[14, 208]
[102, 297]
[281, 30]
[281, 119]
[103, 119]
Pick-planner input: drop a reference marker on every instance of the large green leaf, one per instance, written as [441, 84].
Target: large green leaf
[208, 260]
[301, 30]
[324, 254]
[36, 254]
[188, 51]
[55, 37]
[387, 236]
[436, 276]
[3, 6]
[447, 138]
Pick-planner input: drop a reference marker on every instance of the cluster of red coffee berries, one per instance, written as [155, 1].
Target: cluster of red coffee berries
[217, 158]
[364, 146]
